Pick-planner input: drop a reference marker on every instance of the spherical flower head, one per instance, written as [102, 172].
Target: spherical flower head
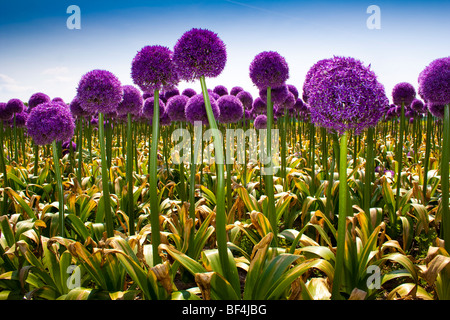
[199, 53]
[132, 101]
[417, 105]
[235, 90]
[50, 121]
[320, 67]
[36, 99]
[99, 91]
[164, 119]
[171, 93]
[300, 106]
[175, 108]
[403, 92]
[5, 113]
[346, 97]
[293, 89]
[58, 99]
[289, 102]
[196, 109]
[434, 81]
[269, 69]
[213, 95]
[149, 105]
[259, 106]
[278, 94]
[67, 145]
[76, 109]
[436, 109]
[260, 122]
[153, 69]
[231, 109]
[21, 119]
[220, 90]
[246, 99]
[15, 105]
[189, 92]
[147, 94]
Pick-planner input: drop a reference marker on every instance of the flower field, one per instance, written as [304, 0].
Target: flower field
[329, 189]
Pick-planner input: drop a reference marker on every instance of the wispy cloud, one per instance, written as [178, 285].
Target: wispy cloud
[57, 74]
[271, 12]
[9, 87]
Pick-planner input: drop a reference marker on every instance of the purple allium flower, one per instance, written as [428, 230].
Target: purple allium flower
[347, 96]
[220, 90]
[50, 121]
[231, 109]
[417, 105]
[196, 111]
[164, 119]
[246, 99]
[5, 114]
[21, 119]
[269, 69]
[175, 108]
[189, 92]
[436, 109]
[15, 105]
[213, 95]
[403, 92]
[76, 109]
[148, 107]
[293, 89]
[147, 94]
[278, 94]
[58, 99]
[235, 90]
[259, 106]
[153, 68]
[434, 81]
[300, 106]
[171, 93]
[99, 91]
[36, 99]
[289, 102]
[132, 101]
[199, 52]
[319, 67]
[260, 122]
[67, 145]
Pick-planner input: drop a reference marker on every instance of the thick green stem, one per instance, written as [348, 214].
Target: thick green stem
[105, 178]
[399, 157]
[153, 177]
[60, 189]
[182, 189]
[343, 190]
[129, 173]
[3, 168]
[445, 178]
[272, 215]
[427, 156]
[80, 149]
[220, 197]
[369, 172]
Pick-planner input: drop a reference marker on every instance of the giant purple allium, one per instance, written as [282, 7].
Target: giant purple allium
[293, 89]
[148, 107]
[259, 106]
[76, 109]
[289, 102]
[36, 99]
[347, 96]
[21, 119]
[58, 99]
[132, 101]
[436, 109]
[169, 93]
[213, 95]
[196, 110]
[434, 81]
[246, 99]
[220, 90]
[269, 69]
[231, 109]
[299, 106]
[189, 92]
[235, 90]
[278, 94]
[175, 108]
[99, 91]
[50, 121]
[153, 69]
[5, 114]
[15, 105]
[260, 122]
[199, 53]
[319, 67]
[403, 92]
[417, 105]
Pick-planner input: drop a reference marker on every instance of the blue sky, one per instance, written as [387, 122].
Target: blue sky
[39, 53]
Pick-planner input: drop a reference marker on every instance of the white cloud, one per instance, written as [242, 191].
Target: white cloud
[10, 88]
[56, 71]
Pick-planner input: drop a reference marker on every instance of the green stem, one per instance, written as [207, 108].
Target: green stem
[220, 197]
[427, 156]
[445, 177]
[105, 178]
[228, 182]
[153, 177]
[3, 168]
[59, 185]
[80, 149]
[343, 190]
[182, 188]
[129, 174]
[369, 172]
[399, 157]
